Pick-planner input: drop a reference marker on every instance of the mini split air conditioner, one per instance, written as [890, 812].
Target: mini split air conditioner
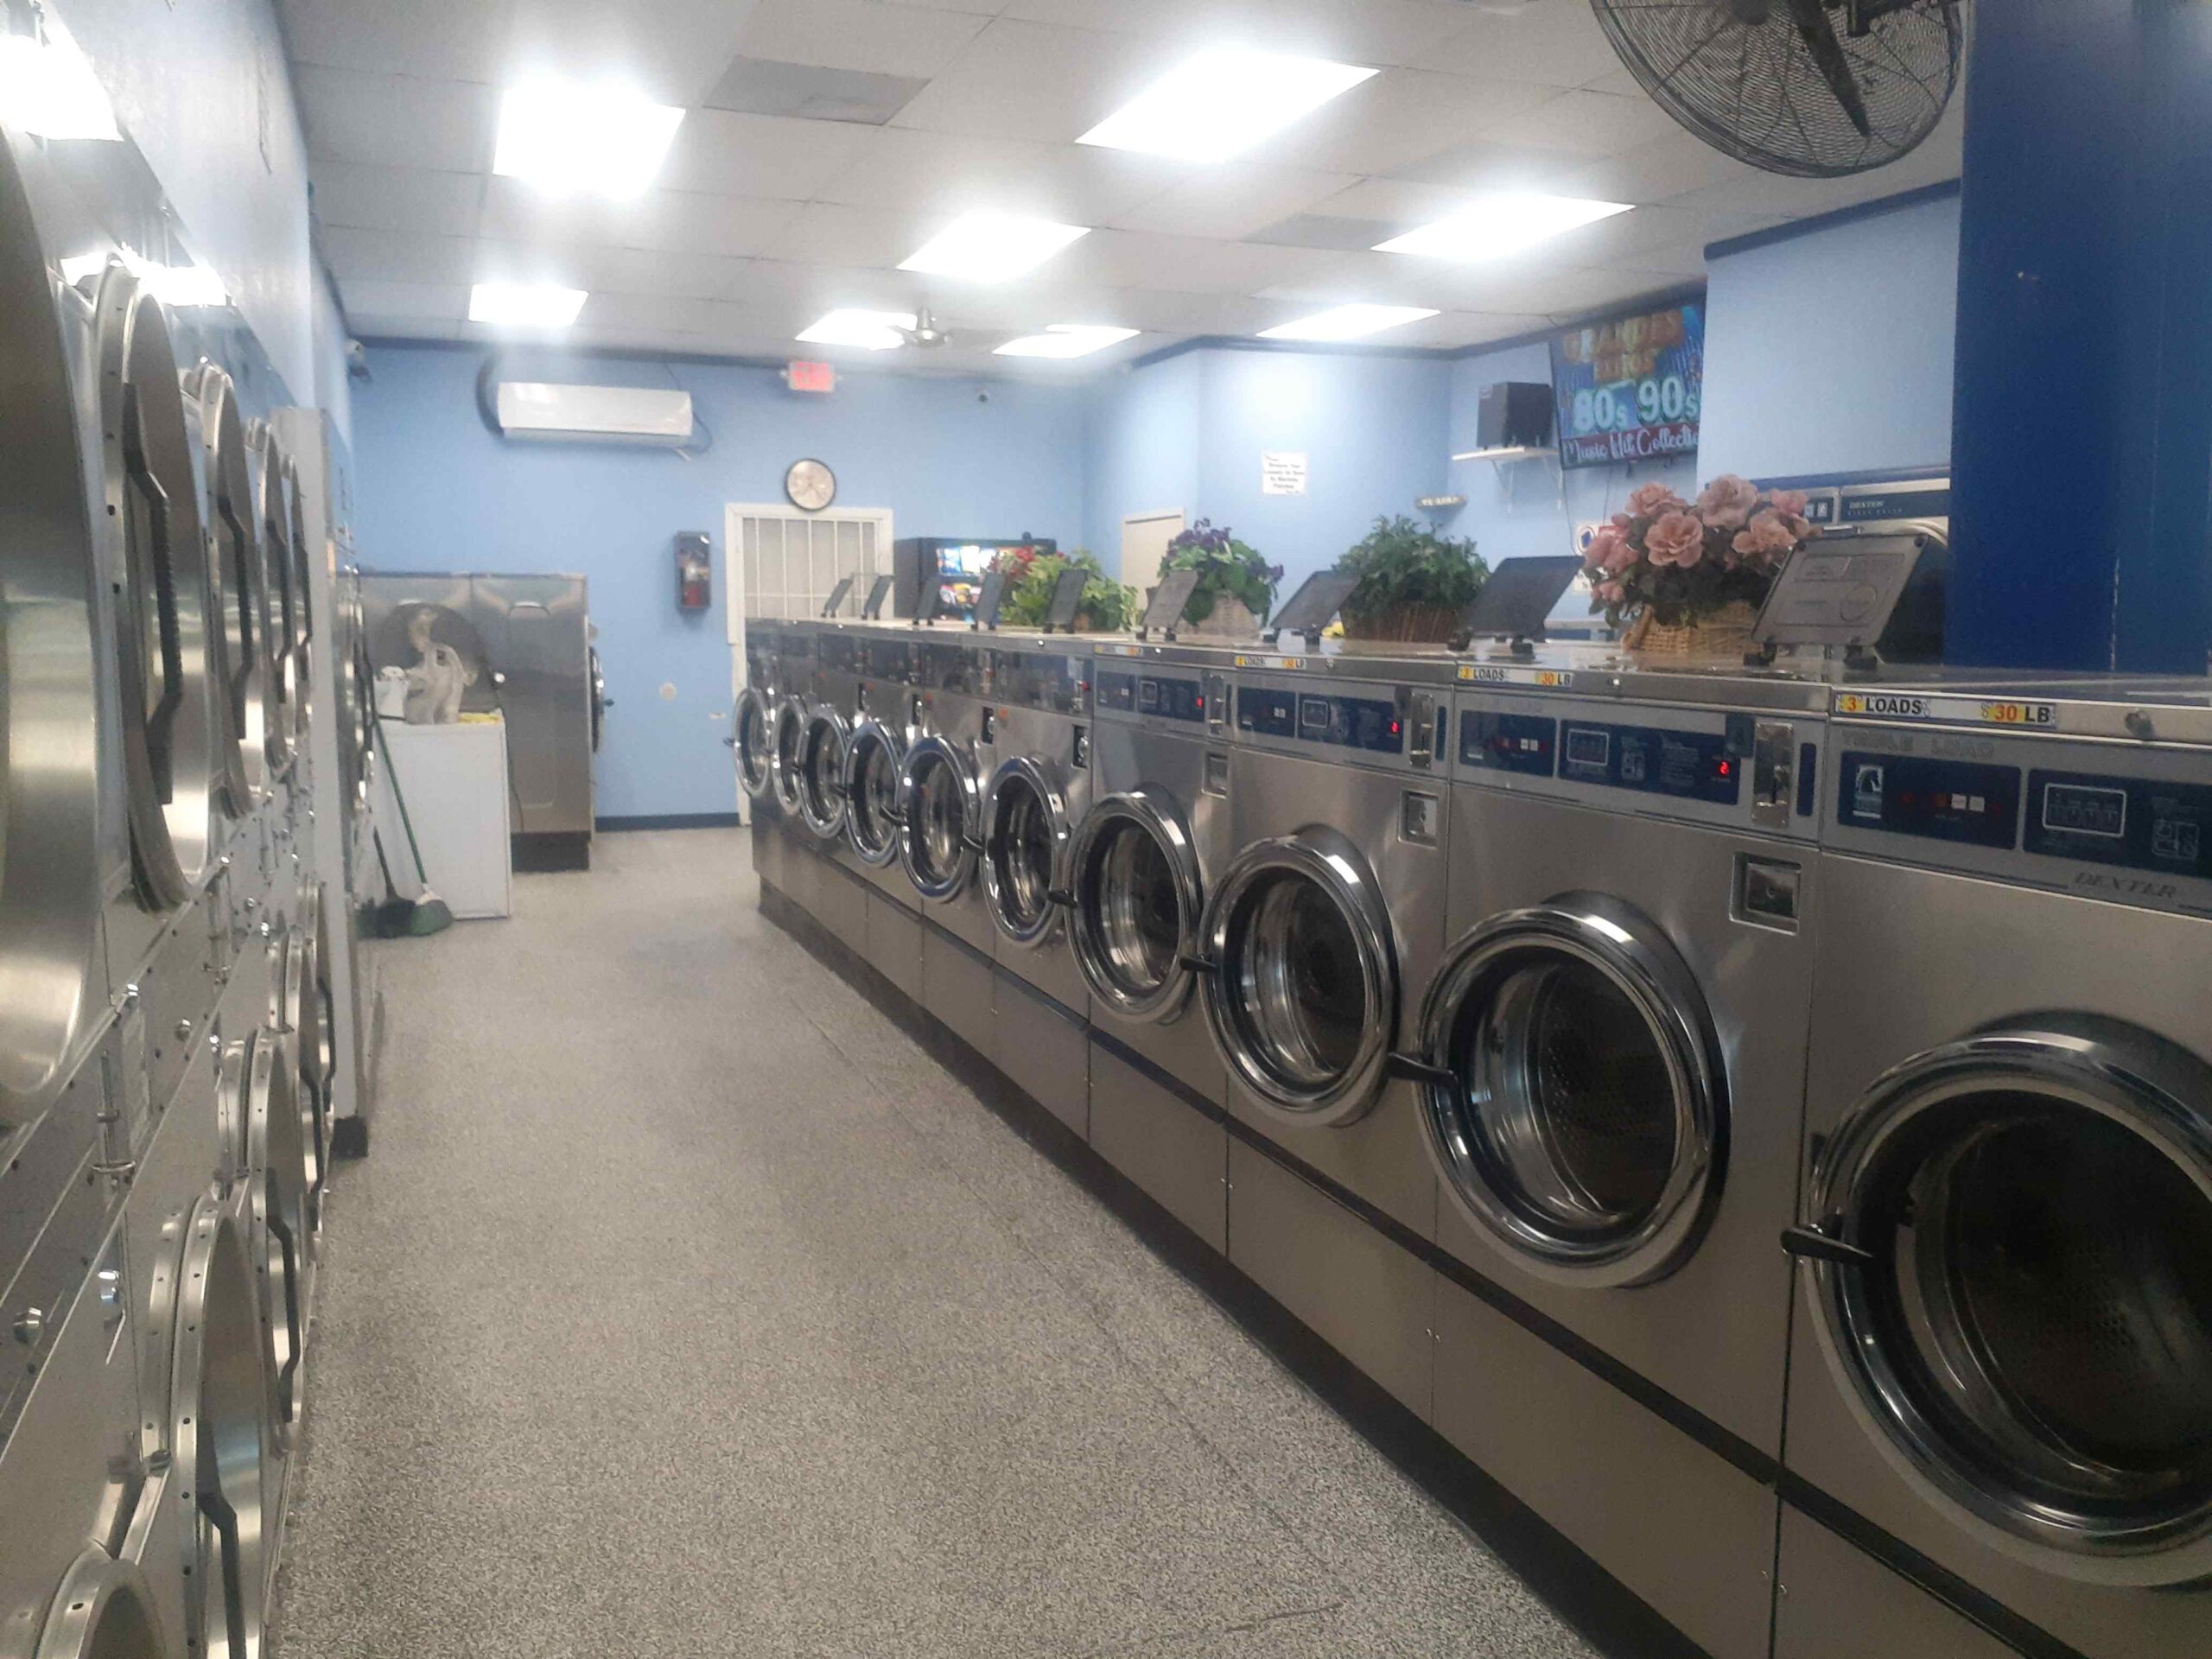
[547, 413]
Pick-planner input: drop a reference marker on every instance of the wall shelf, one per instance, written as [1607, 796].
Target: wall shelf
[1523, 452]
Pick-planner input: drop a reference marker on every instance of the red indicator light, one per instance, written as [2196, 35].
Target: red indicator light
[1393, 728]
[1202, 703]
[1727, 768]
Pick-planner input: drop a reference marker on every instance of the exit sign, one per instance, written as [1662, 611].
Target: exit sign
[811, 376]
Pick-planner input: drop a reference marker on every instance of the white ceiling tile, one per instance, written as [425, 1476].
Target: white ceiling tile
[669, 50]
[804, 291]
[863, 34]
[1350, 31]
[371, 326]
[396, 256]
[396, 120]
[668, 220]
[1401, 117]
[926, 172]
[1552, 42]
[766, 156]
[1656, 170]
[1586, 124]
[365, 296]
[439, 38]
[567, 265]
[1486, 165]
[1234, 199]
[1395, 201]
[827, 234]
[1036, 80]
[1121, 259]
[1203, 266]
[397, 198]
[674, 276]
[645, 314]
[1461, 328]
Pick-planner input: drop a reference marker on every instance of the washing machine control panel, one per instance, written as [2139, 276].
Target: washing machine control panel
[2129, 825]
[1396, 726]
[1181, 699]
[889, 659]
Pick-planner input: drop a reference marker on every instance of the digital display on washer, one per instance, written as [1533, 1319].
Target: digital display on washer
[889, 660]
[1525, 743]
[1372, 724]
[1152, 693]
[1940, 800]
[1688, 766]
[2139, 824]
[1117, 691]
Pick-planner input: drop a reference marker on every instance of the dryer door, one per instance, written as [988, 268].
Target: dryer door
[1582, 1128]
[873, 758]
[238, 643]
[103, 1610]
[280, 1229]
[1025, 851]
[284, 696]
[1303, 991]
[784, 737]
[2011, 1261]
[756, 741]
[940, 813]
[1138, 898]
[822, 747]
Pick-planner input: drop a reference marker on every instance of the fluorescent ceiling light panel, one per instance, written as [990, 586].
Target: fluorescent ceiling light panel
[527, 305]
[1347, 322]
[873, 331]
[1063, 340]
[1499, 225]
[1223, 102]
[991, 247]
[48, 88]
[566, 138]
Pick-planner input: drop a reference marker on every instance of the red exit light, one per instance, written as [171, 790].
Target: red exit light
[801, 375]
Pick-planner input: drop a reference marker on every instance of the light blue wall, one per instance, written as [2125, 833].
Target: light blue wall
[203, 91]
[1141, 430]
[1831, 352]
[437, 491]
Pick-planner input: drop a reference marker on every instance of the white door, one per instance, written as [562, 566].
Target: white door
[1144, 544]
[782, 563]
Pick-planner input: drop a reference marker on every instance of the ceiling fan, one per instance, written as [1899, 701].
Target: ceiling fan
[926, 333]
[1813, 88]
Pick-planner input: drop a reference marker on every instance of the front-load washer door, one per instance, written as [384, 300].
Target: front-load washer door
[1025, 851]
[1573, 1100]
[872, 757]
[2011, 1251]
[939, 813]
[785, 736]
[167, 616]
[1137, 901]
[104, 1609]
[1302, 987]
[822, 746]
[755, 741]
[284, 699]
[239, 578]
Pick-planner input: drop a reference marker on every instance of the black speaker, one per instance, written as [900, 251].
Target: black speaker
[1514, 414]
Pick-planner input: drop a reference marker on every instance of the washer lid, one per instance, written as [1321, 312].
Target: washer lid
[1138, 899]
[1572, 1091]
[1301, 986]
[2011, 1271]
[1025, 838]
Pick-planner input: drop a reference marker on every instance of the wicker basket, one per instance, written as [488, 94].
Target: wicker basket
[1409, 625]
[1727, 632]
[1230, 618]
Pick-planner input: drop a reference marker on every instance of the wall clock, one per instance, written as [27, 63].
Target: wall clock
[810, 484]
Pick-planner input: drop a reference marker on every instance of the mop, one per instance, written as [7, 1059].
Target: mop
[399, 917]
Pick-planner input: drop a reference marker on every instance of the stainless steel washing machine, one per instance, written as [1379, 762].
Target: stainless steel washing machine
[1141, 864]
[1616, 1050]
[940, 807]
[769, 718]
[886, 717]
[1041, 721]
[2001, 1392]
[841, 887]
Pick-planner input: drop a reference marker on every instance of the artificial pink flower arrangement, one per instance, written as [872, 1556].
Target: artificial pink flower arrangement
[1680, 561]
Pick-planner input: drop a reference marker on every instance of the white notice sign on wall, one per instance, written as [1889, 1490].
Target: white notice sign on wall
[1282, 471]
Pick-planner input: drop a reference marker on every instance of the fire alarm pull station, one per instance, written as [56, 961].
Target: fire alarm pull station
[694, 588]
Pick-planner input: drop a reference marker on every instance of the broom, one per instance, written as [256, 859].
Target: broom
[399, 917]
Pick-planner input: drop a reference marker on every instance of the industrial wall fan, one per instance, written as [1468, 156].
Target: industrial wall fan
[1815, 88]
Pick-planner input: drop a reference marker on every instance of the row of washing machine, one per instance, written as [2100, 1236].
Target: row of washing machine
[167, 1045]
[1763, 1121]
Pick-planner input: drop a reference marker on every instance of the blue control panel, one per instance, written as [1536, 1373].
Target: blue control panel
[1690, 766]
[1372, 724]
[2138, 823]
[1941, 800]
[1523, 743]
[1164, 695]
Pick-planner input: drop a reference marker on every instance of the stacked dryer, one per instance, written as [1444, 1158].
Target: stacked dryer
[162, 1129]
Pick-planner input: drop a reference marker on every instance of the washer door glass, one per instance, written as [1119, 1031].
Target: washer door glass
[822, 775]
[1581, 1127]
[871, 795]
[755, 737]
[938, 794]
[784, 755]
[1022, 851]
[1304, 998]
[1136, 906]
[2031, 1324]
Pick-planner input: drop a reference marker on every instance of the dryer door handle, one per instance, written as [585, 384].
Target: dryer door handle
[1061, 896]
[1818, 1243]
[1413, 1068]
[1191, 962]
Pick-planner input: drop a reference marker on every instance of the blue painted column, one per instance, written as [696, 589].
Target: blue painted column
[2081, 452]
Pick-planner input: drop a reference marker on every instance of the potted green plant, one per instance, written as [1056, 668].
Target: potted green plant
[1414, 584]
[1106, 607]
[1236, 587]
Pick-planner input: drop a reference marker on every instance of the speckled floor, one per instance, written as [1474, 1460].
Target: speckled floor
[686, 1309]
